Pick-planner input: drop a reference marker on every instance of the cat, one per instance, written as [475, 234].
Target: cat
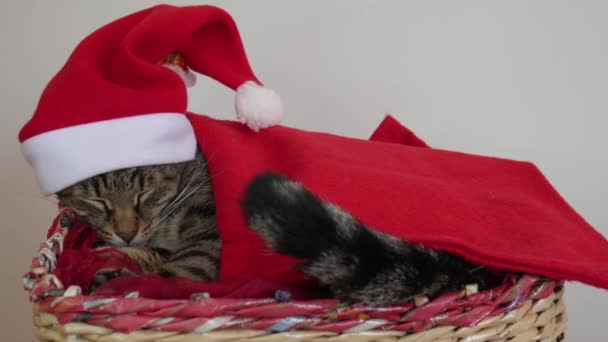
[163, 218]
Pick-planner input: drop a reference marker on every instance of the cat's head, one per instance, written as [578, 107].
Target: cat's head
[125, 206]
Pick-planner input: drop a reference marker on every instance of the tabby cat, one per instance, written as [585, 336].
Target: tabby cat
[163, 217]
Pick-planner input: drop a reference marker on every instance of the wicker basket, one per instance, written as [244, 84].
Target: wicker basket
[524, 308]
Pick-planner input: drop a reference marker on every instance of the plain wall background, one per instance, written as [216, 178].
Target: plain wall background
[518, 79]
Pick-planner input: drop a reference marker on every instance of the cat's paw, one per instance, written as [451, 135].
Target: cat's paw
[105, 275]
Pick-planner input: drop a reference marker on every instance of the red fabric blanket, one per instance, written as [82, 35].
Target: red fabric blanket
[496, 212]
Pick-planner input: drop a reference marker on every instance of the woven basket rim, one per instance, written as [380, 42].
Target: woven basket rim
[535, 320]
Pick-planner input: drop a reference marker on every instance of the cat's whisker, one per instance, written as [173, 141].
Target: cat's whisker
[173, 205]
[177, 198]
[177, 203]
[210, 158]
[215, 175]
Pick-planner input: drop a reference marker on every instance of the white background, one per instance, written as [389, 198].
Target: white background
[518, 79]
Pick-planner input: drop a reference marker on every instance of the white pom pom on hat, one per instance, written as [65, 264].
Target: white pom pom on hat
[128, 108]
[257, 107]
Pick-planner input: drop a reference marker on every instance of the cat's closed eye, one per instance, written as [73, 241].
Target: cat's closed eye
[99, 203]
[94, 217]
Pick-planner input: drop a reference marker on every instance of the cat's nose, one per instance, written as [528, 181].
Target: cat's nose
[127, 235]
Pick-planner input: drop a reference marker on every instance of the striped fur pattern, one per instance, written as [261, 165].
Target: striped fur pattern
[163, 217]
[351, 260]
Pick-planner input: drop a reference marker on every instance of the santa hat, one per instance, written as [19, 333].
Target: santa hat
[120, 100]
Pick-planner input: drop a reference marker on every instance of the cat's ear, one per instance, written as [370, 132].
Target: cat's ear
[53, 198]
[76, 190]
[62, 196]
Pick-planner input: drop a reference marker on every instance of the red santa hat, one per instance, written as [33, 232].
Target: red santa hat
[120, 100]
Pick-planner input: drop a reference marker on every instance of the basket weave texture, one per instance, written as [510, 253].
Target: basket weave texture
[524, 308]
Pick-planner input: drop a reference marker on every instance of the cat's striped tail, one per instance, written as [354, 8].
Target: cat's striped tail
[353, 261]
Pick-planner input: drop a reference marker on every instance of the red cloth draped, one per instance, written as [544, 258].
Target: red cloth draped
[491, 211]
[496, 212]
